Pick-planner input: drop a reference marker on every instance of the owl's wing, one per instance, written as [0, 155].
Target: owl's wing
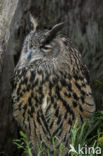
[86, 73]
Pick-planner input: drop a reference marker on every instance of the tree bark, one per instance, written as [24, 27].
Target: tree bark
[84, 27]
[12, 32]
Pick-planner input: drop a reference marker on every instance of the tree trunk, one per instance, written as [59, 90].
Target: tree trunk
[84, 27]
[12, 32]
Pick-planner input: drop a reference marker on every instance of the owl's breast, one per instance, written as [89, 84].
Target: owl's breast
[48, 104]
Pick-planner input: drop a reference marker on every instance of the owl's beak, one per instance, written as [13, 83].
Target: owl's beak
[29, 53]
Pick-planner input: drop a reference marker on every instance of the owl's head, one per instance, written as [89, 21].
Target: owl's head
[45, 47]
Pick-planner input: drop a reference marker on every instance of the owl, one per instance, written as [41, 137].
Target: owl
[50, 89]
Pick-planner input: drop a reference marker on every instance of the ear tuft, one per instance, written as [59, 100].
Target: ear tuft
[33, 22]
[52, 33]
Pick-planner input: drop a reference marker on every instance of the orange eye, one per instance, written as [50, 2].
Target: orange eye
[46, 48]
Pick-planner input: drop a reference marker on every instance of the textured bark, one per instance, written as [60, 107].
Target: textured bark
[7, 127]
[12, 22]
[84, 27]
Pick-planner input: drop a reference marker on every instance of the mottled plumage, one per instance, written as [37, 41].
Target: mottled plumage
[50, 89]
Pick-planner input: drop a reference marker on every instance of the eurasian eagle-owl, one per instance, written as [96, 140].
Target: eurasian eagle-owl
[50, 89]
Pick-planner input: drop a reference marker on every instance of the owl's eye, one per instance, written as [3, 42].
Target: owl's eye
[46, 48]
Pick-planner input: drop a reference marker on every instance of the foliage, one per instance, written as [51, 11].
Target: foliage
[90, 134]
[23, 143]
